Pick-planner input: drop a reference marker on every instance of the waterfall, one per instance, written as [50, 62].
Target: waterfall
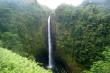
[50, 65]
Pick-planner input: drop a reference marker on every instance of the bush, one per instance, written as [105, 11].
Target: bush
[102, 66]
[12, 63]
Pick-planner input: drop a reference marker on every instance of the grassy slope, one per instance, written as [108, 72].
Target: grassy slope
[12, 63]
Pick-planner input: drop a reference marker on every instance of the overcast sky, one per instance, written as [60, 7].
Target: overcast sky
[54, 3]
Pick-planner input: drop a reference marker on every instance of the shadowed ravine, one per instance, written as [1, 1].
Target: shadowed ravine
[58, 66]
[55, 63]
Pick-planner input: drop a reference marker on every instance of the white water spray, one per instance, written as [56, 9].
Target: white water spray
[50, 65]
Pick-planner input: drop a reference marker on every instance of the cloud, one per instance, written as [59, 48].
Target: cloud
[54, 3]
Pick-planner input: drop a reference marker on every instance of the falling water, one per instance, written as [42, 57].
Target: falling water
[50, 65]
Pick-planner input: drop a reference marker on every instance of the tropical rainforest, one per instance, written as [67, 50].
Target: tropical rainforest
[81, 37]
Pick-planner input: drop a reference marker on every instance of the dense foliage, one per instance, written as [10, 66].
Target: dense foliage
[102, 66]
[82, 32]
[21, 26]
[12, 63]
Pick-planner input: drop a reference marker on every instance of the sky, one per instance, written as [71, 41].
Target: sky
[54, 3]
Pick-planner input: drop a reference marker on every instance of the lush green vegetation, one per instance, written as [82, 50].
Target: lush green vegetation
[102, 66]
[82, 35]
[21, 26]
[13, 63]
[21, 30]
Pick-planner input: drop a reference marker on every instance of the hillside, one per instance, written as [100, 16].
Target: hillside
[13, 63]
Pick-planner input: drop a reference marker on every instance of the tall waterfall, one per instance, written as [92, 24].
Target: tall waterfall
[50, 65]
